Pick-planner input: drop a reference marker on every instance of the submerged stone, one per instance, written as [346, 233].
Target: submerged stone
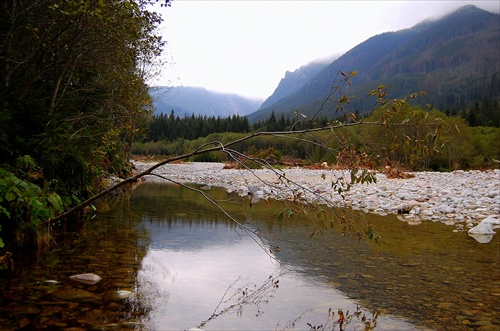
[482, 228]
[87, 278]
[118, 295]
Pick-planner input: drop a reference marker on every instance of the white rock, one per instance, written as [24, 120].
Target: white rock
[445, 209]
[491, 220]
[415, 210]
[482, 228]
[481, 238]
[253, 189]
[123, 294]
[427, 212]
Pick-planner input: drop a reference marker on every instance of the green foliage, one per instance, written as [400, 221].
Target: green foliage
[24, 206]
[406, 135]
[210, 157]
[26, 162]
[484, 113]
[486, 148]
[364, 177]
[84, 107]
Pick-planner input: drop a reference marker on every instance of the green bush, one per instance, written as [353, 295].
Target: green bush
[25, 205]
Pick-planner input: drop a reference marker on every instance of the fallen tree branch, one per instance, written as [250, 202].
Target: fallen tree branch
[201, 150]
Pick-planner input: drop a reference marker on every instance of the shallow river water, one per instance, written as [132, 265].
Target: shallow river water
[187, 265]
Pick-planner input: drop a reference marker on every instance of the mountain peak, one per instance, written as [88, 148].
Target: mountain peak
[466, 8]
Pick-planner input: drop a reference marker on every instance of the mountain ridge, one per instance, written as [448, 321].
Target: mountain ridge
[453, 58]
[189, 100]
[292, 81]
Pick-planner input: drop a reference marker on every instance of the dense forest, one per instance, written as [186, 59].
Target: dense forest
[481, 113]
[73, 92]
[171, 127]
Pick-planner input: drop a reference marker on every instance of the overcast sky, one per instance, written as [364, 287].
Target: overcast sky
[245, 47]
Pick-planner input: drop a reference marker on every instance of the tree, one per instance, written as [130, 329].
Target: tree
[272, 124]
[73, 89]
[72, 71]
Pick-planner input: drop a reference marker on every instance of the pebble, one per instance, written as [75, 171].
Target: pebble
[450, 197]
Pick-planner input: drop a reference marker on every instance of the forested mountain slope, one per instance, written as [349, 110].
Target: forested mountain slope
[454, 59]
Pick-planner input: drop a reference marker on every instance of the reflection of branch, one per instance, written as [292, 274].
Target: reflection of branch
[248, 295]
[214, 314]
[297, 190]
[344, 319]
[290, 325]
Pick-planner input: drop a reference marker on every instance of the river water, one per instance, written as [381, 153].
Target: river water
[187, 265]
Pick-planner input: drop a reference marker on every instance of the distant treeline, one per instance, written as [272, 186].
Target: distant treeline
[416, 138]
[285, 123]
[172, 127]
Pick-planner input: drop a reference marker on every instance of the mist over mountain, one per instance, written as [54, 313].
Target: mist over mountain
[455, 59]
[185, 101]
[293, 81]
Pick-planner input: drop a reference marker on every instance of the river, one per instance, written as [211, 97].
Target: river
[187, 265]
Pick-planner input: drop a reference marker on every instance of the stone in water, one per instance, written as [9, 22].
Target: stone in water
[88, 278]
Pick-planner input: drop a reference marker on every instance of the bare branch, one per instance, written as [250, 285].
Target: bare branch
[205, 149]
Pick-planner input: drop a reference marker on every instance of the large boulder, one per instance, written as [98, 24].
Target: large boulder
[483, 232]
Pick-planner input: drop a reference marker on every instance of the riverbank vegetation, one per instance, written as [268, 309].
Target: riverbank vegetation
[414, 138]
[73, 93]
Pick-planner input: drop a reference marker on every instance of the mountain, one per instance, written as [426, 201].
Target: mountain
[455, 59]
[293, 81]
[185, 101]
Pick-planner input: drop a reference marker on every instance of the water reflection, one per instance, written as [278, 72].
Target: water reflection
[428, 274]
[209, 273]
[195, 272]
[111, 247]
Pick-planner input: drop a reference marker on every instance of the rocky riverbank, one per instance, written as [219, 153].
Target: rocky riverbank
[460, 199]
